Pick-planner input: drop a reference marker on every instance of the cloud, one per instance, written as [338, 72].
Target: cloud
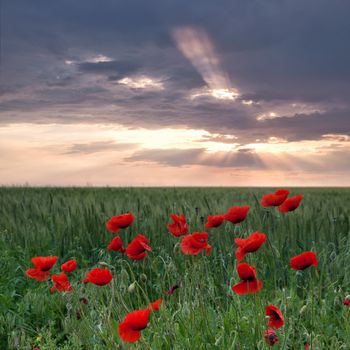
[198, 156]
[99, 146]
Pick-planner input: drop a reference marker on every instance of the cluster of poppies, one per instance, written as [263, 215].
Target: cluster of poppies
[191, 244]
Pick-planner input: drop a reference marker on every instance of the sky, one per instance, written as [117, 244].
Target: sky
[175, 93]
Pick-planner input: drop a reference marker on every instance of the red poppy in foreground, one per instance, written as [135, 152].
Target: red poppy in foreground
[249, 244]
[248, 283]
[69, 266]
[196, 242]
[44, 263]
[98, 276]
[179, 227]
[270, 337]
[214, 221]
[155, 305]
[117, 222]
[290, 204]
[38, 275]
[274, 199]
[116, 245]
[237, 214]
[346, 301]
[61, 283]
[134, 322]
[303, 261]
[138, 248]
[276, 319]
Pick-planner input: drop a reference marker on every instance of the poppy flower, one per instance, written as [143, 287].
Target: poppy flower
[270, 337]
[276, 319]
[248, 283]
[306, 345]
[303, 260]
[274, 199]
[290, 204]
[196, 242]
[155, 305]
[179, 227]
[237, 214]
[38, 275]
[117, 222]
[44, 263]
[346, 301]
[134, 322]
[61, 283]
[249, 244]
[69, 266]
[214, 221]
[116, 245]
[98, 276]
[138, 248]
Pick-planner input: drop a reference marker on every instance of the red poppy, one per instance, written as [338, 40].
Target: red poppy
[303, 260]
[134, 322]
[196, 242]
[346, 301]
[249, 244]
[276, 319]
[61, 283]
[116, 245]
[44, 263]
[237, 214]
[248, 283]
[69, 266]
[98, 276]
[179, 227]
[117, 222]
[214, 221]
[306, 346]
[155, 305]
[290, 204]
[138, 248]
[274, 199]
[270, 337]
[38, 275]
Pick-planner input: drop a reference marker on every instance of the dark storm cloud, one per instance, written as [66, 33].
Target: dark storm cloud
[274, 52]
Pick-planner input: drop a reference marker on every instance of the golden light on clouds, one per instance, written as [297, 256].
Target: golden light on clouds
[141, 82]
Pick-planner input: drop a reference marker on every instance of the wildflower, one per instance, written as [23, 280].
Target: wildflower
[69, 266]
[138, 248]
[237, 214]
[249, 244]
[304, 260]
[346, 300]
[270, 337]
[155, 305]
[276, 319]
[248, 283]
[214, 221]
[61, 283]
[179, 227]
[43, 265]
[117, 222]
[274, 199]
[116, 245]
[98, 276]
[196, 242]
[290, 204]
[134, 322]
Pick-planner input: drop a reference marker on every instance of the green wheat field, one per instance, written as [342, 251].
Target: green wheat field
[203, 313]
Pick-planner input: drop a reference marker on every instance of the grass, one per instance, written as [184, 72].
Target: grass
[203, 313]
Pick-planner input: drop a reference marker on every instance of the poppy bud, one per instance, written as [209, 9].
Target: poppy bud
[132, 287]
[302, 310]
[143, 277]
[84, 300]
[78, 314]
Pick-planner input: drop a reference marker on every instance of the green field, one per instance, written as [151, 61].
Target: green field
[203, 313]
